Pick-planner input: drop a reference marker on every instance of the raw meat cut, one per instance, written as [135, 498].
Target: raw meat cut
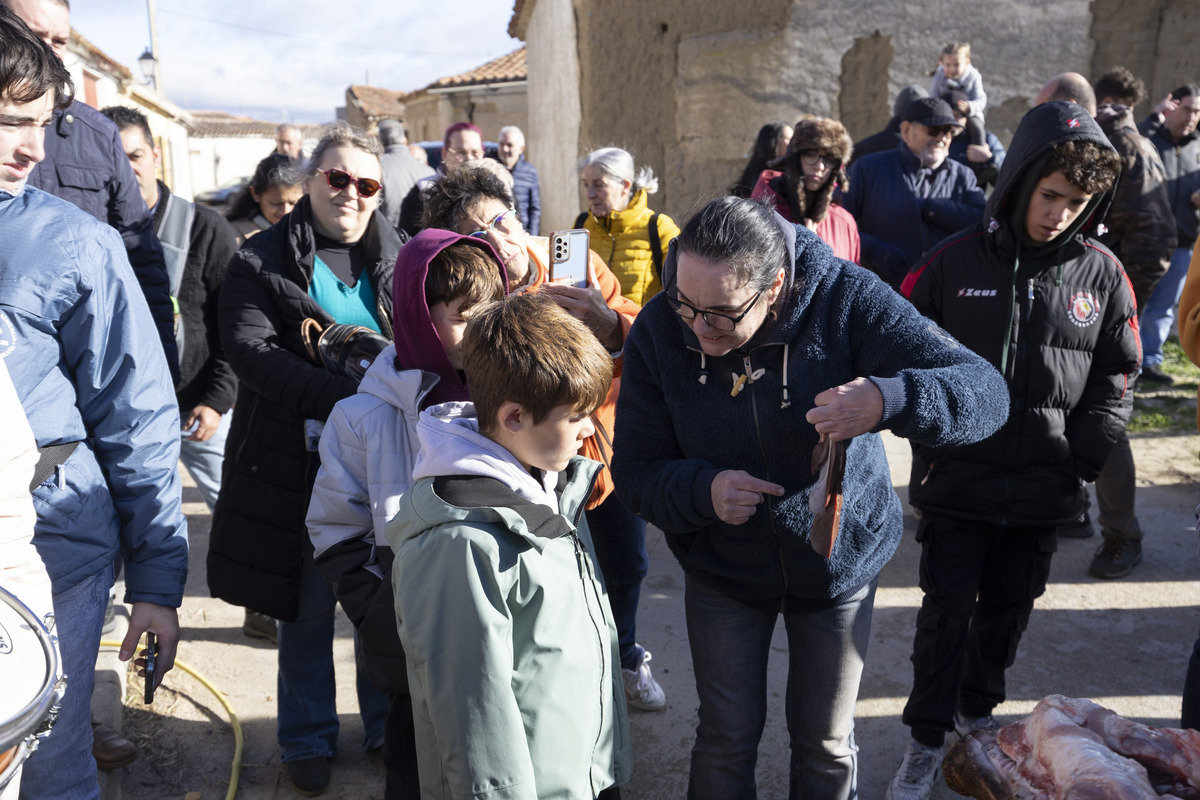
[1074, 749]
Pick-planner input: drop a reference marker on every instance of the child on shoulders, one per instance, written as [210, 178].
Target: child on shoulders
[955, 72]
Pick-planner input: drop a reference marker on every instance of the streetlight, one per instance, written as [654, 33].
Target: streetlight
[148, 64]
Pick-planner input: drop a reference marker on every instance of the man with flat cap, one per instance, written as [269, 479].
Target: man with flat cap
[913, 196]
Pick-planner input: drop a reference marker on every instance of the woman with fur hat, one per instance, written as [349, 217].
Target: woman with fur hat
[802, 185]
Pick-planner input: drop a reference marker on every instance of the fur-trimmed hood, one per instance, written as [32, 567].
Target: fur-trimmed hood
[829, 137]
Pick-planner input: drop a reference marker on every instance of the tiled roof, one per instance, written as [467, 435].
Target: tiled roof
[221, 124]
[506, 68]
[379, 103]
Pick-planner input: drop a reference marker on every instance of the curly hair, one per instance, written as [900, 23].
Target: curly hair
[1088, 165]
[1121, 85]
[449, 198]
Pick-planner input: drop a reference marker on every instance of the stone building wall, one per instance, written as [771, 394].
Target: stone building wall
[1156, 39]
[685, 84]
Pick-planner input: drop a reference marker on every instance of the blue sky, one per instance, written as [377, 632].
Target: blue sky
[293, 60]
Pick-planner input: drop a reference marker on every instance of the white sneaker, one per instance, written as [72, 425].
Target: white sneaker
[641, 690]
[919, 770]
[964, 726]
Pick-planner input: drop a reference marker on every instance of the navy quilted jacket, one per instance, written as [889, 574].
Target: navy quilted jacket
[837, 322]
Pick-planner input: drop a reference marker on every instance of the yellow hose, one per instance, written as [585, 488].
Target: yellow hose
[235, 771]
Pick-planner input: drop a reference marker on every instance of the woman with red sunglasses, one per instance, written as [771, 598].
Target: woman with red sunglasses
[330, 259]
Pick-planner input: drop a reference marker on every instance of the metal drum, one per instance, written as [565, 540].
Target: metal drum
[30, 685]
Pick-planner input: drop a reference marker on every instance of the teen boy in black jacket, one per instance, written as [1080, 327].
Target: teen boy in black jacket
[1051, 308]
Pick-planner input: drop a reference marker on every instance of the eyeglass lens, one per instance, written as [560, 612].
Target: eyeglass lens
[340, 180]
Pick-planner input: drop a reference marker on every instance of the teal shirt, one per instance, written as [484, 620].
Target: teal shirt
[349, 306]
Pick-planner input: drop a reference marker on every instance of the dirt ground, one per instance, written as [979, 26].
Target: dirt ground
[1122, 643]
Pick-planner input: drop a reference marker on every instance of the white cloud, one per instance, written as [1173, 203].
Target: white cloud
[295, 59]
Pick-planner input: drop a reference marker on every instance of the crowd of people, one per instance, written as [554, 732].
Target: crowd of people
[389, 404]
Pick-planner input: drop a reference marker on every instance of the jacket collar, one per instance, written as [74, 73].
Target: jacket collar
[619, 221]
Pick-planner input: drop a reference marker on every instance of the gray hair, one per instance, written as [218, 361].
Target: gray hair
[341, 134]
[511, 129]
[742, 234]
[390, 132]
[618, 165]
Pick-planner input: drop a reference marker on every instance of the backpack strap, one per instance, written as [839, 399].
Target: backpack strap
[582, 218]
[656, 254]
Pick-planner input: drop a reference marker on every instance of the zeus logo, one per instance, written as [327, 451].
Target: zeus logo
[976, 292]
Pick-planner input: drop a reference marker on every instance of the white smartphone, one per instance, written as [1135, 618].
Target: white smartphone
[569, 257]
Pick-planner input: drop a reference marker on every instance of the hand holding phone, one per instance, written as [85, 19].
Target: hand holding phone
[151, 654]
[569, 257]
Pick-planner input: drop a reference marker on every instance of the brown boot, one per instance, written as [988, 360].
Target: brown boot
[110, 749]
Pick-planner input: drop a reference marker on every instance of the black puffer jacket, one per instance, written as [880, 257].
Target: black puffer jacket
[1141, 225]
[259, 541]
[1057, 321]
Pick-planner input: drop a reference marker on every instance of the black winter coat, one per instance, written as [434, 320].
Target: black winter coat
[1141, 225]
[1181, 161]
[259, 542]
[205, 376]
[1058, 322]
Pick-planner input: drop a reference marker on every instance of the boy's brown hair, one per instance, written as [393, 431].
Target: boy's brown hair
[466, 270]
[525, 349]
[1087, 165]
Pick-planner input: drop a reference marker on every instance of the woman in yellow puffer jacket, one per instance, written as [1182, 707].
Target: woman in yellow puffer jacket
[620, 221]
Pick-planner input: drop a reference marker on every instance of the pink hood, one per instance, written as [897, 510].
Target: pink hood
[417, 342]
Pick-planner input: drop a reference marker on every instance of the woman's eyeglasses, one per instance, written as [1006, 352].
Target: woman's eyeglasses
[722, 322]
[813, 157]
[505, 223]
[339, 180]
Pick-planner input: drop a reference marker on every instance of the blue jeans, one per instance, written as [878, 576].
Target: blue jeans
[1156, 318]
[307, 706]
[620, 540]
[730, 644]
[203, 460]
[63, 767]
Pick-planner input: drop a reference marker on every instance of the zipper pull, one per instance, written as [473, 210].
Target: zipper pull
[1031, 290]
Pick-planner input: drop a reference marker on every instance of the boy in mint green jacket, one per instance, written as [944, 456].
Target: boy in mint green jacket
[512, 649]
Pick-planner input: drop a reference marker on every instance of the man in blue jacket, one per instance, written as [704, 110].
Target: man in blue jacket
[906, 199]
[81, 347]
[85, 165]
[511, 149]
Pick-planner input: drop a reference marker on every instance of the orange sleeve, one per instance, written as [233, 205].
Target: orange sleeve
[1189, 311]
[1188, 318]
[610, 287]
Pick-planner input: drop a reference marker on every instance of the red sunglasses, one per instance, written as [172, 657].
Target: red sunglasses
[339, 180]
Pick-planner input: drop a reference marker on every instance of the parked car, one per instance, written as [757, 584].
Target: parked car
[223, 194]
